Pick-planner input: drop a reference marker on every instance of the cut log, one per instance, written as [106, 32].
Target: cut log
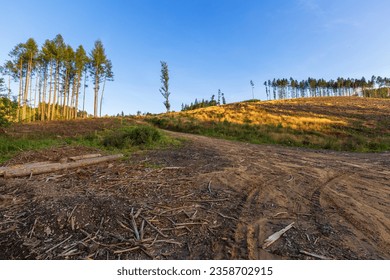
[28, 170]
[27, 165]
[84, 157]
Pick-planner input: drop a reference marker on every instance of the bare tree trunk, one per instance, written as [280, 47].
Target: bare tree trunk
[75, 97]
[85, 85]
[77, 94]
[96, 97]
[26, 89]
[9, 87]
[43, 101]
[53, 113]
[20, 89]
[101, 98]
[64, 102]
[50, 91]
[34, 109]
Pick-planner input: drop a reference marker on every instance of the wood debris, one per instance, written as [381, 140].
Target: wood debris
[314, 255]
[272, 238]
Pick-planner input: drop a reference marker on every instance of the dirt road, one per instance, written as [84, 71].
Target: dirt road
[210, 199]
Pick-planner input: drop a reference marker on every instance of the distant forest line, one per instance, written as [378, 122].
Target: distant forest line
[378, 87]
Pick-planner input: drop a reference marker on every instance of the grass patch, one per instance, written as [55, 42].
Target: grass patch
[337, 138]
[9, 146]
[337, 123]
[124, 139]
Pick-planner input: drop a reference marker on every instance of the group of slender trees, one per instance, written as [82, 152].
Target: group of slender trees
[52, 79]
[291, 88]
[205, 103]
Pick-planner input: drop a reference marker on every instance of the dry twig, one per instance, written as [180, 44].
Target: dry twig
[314, 255]
[155, 228]
[59, 244]
[272, 238]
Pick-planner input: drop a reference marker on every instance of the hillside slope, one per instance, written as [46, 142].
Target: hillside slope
[338, 123]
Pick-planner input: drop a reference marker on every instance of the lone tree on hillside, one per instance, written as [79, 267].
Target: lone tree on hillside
[253, 86]
[164, 90]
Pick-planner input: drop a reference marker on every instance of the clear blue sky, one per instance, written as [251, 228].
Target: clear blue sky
[209, 44]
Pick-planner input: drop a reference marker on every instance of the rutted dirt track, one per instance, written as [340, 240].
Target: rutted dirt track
[210, 199]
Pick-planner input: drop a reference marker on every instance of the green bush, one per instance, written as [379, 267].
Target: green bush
[143, 136]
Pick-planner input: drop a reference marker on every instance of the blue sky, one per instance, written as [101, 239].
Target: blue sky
[208, 44]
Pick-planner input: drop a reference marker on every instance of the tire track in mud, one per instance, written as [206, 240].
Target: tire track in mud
[318, 212]
[246, 234]
[275, 186]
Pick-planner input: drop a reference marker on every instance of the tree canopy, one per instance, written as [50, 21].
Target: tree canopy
[50, 77]
[311, 87]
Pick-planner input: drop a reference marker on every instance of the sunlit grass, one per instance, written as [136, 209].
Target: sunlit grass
[346, 123]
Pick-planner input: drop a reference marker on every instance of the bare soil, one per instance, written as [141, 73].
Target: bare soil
[209, 199]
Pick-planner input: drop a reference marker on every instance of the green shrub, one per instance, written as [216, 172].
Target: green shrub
[132, 136]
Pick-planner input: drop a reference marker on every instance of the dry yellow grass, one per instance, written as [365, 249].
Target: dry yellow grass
[339, 123]
[259, 113]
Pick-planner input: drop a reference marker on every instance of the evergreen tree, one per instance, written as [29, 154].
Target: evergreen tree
[98, 60]
[266, 89]
[253, 86]
[2, 86]
[107, 76]
[164, 90]
[81, 62]
[223, 99]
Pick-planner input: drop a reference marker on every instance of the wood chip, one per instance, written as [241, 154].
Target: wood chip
[272, 238]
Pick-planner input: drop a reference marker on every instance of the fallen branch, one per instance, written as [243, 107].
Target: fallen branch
[59, 244]
[126, 250]
[272, 238]
[142, 230]
[279, 213]
[27, 170]
[136, 232]
[189, 224]
[33, 227]
[155, 228]
[209, 200]
[69, 253]
[171, 241]
[313, 255]
[171, 168]
[138, 213]
[209, 187]
[223, 216]
[226, 217]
